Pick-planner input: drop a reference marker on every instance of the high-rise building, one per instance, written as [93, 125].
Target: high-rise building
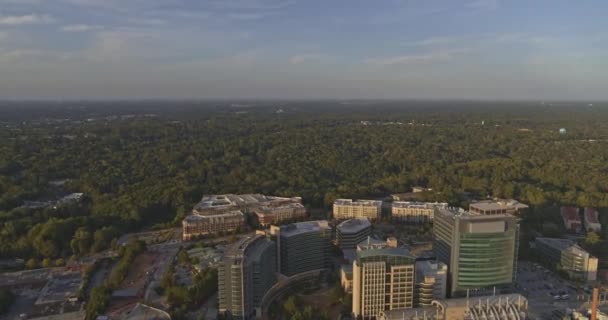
[350, 232]
[497, 206]
[567, 256]
[414, 212]
[227, 212]
[480, 250]
[246, 273]
[349, 209]
[303, 246]
[431, 282]
[383, 279]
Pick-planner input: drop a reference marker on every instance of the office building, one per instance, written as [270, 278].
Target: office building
[346, 277]
[592, 223]
[303, 246]
[350, 232]
[225, 221]
[246, 273]
[383, 279]
[227, 213]
[480, 250]
[414, 212]
[567, 256]
[431, 282]
[497, 206]
[349, 209]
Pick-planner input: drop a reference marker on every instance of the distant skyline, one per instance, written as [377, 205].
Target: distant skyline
[304, 49]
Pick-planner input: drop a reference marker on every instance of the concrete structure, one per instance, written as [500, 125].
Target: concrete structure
[431, 282]
[414, 212]
[591, 220]
[226, 213]
[572, 219]
[349, 209]
[197, 225]
[247, 272]
[383, 279]
[350, 232]
[279, 211]
[480, 250]
[566, 255]
[499, 307]
[497, 206]
[303, 246]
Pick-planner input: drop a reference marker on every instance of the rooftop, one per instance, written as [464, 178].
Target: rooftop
[428, 267]
[362, 203]
[237, 200]
[196, 217]
[386, 251]
[501, 299]
[415, 204]
[304, 227]
[415, 313]
[354, 225]
[498, 204]
[563, 244]
[247, 248]
[463, 214]
[570, 213]
[591, 215]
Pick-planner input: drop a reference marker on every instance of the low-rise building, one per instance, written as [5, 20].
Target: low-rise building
[353, 209]
[497, 206]
[198, 225]
[350, 232]
[592, 222]
[572, 219]
[346, 277]
[277, 212]
[431, 282]
[567, 256]
[226, 213]
[414, 212]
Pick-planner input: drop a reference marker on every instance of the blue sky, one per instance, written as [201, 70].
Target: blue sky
[304, 49]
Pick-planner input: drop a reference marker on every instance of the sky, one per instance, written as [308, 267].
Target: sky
[304, 49]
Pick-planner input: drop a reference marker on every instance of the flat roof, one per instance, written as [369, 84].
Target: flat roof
[304, 227]
[416, 204]
[591, 215]
[247, 248]
[196, 217]
[563, 244]
[361, 203]
[227, 200]
[498, 204]
[354, 225]
[463, 214]
[386, 251]
[513, 298]
[570, 213]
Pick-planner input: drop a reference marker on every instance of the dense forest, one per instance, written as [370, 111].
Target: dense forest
[143, 165]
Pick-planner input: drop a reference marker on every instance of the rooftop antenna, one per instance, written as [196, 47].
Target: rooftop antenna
[494, 290]
[467, 299]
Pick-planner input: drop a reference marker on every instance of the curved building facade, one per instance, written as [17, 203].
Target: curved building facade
[351, 232]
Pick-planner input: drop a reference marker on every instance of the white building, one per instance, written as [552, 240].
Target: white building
[349, 209]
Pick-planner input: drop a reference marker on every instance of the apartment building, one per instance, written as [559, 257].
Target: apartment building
[353, 209]
[414, 212]
[277, 212]
[226, 221]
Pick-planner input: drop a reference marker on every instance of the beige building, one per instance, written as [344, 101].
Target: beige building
[354, 209]
[383, 279]
[414, 212]
[497, 206]
[195, 225]
[567, 256]
[277, 212]
[227, 212]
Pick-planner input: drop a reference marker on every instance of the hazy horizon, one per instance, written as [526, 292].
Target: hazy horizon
[478, 50]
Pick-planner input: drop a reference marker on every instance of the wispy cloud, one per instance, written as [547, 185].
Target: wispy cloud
[27, 19]
[81, 28]
[413, 59]
[303, 58]
[484, 4]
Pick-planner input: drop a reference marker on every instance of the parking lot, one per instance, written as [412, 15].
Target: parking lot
[547, 292]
